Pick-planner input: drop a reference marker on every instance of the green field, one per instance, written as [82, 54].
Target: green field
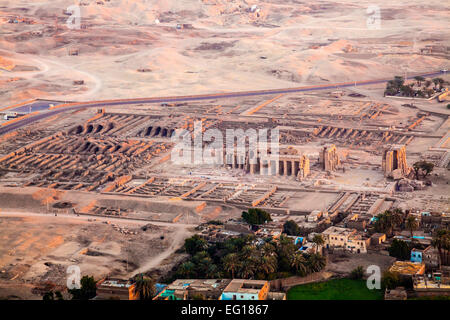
[336, 289]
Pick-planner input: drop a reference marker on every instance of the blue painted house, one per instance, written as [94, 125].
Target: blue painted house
[416, 255]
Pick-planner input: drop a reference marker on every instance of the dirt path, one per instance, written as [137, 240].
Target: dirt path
[90, 217]
[181, 233]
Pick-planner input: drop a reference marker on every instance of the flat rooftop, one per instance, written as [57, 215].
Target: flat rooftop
[407, 268]
[245, 286]
[339, 231]
[116, 283]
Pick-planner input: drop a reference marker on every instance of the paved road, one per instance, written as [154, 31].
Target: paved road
[48, 113]
[39, 105]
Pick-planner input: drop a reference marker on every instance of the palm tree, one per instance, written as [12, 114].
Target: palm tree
[318, 241]
[412, 224]
[440, 82]
[388, 221]
[186, 269]
[247, 269]
[316, 262]
[436, 81]
[441, 241]
[144, 287]
[266, 264]
[397, 218]
[268, 249]
[300, 264]
[231, 263]
[419, 80]
[212, 271]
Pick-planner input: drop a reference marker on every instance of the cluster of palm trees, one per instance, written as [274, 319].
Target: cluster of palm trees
[263, 262]
[251, 262]
[305, 264]
[387, 221]
[441, 241]
[246, 258]
[398, 86]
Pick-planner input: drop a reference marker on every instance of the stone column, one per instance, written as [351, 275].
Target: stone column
[296, 168]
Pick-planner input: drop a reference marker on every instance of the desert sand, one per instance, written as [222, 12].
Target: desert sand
[224, 46]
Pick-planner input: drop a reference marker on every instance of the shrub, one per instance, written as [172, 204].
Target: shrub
[357, 273]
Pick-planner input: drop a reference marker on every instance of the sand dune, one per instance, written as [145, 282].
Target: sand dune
[225, 45]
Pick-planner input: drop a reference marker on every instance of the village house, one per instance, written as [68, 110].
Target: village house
[115, 289]
[377, 239]
[435, 284]
[347, 239]
[187, 289]
[241, 289]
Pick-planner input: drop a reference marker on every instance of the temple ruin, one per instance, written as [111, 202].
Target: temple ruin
[394, 161]
[328, 158]
[289, 165]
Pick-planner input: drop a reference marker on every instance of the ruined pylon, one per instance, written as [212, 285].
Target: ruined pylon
[329, 158]
[394, 161]
[303, 171]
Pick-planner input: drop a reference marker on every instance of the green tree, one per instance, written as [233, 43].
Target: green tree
[400, 250]
[411, 224]
[265, 265]
[406, 91]
[435, 81]
[88, 289]
[195, 244]
[424, 167]
[144, 287]
[50, 296]
[247, 269]
[300, 264]
[387, 221]
[441, 241]
[398, 82]
[318, 241]
[231, 263]
[440, 82]
[202, 262]
[285, 250]
[419, 80]
[187, 270]
[268, 249]
[291, 228]
[255, 216]
[390, 280]
[316, 262]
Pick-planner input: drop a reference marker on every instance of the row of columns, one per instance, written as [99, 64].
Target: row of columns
[267, 167]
